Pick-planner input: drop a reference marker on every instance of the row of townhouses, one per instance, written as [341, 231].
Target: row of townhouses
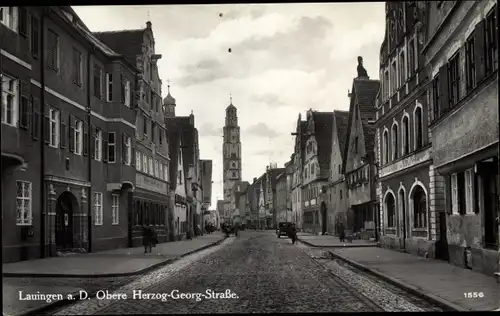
[414, 162]
[90, 152]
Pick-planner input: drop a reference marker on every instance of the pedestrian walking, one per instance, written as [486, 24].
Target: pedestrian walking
[147, 238]
[341, 232]
[292, 233]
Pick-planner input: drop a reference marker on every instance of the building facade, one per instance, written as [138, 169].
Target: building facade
[461, 60]
[231, 152]
[74, 190]
[359, 163]
[281, 193]
[316, 170]
[298, 159]
[150, 198]
[409, 209]
[336, 188]
[272, 172]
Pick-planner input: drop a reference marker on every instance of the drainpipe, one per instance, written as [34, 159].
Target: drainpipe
[89, 139]
[43, 202]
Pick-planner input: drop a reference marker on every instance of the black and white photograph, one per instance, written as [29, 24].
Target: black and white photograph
[238, 158]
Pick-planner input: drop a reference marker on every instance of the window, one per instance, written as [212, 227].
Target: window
[385, 147]
[77, 67]
[491, 42]
[160, 135]
[390, 205]
[312, 169]
[435, 97]
[138, 156]
[234, 174]
[78, 137]
[165, 172]
[35, 34]
[160, 171]
[157, 169]
[145, 127]
[24, 107]
[470, 67]
[393, 77]
[127, 92]
[97, 81]
[98, 208]
[454, 80]
[23, 21]
[454, 194]
[418, 119]
[10, 99]
[402, 65]
[419, 208]
[109, 87]
[151, 167]
[54, 136]
[97, 144]
[127, 150]
[180, 177]
[356, 144]
[469, 192]
[153, 131]
[411, 58]
[340, 194]
[53, 50]
[115, 210]
[23, 203]
[145, 163]
[406, 135]
[395, 144]
[8, 17]
[386, 85]
[111, 147]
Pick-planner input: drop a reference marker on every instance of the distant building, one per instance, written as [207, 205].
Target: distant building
[231, 155]
[297, 177]
[272, 173]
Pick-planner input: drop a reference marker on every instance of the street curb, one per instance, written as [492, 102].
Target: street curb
[111, 275]
[442, 303]
[64, 302]
[343, 246]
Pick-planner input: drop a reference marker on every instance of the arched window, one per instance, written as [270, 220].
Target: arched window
[419, 208]
[395, 144]
[390, 206]
[385, 147]
[402, 203]
[419, 139]
[406, 135]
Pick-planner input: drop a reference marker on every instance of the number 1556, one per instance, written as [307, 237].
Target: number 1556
[473, 294]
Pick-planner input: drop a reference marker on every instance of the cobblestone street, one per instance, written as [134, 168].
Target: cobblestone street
[266, 274]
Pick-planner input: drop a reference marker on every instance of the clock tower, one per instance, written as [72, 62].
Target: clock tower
[231, 149]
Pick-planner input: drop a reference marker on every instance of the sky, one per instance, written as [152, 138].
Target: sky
[285, 59]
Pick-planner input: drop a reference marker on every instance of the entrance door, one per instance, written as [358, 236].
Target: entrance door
[442, 249]
[323, 218]
[403, 219]
[64, 221]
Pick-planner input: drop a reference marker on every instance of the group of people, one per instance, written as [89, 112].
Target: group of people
[149, 238]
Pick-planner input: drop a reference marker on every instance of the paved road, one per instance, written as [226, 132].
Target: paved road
[260, 272]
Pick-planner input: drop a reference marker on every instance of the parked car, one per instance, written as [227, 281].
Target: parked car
[282, 229]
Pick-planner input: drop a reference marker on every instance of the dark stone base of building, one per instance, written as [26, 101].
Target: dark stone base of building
[21, 253]
[484, 261]
[415, 246]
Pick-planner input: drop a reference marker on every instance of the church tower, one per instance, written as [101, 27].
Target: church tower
[231, 151]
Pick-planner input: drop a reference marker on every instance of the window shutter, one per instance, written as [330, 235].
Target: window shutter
[23, 21]
[23, 105]
[63, 134]
[479, 51]
[124, 148]
[132, 159]
[46, 128]
[122, 85]
[71, 134]
[92, 141]
[85, 140]
[105, 147]
[36, 118]
[443, 89]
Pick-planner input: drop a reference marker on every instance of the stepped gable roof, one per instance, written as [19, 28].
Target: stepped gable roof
[189, 134]
[174, 148]
[341, 123]
[126, 42]
[323, 134]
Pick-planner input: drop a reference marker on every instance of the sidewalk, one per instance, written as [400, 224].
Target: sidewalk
[432, 279]
[89, 272]
[329, 241]
[112, 263]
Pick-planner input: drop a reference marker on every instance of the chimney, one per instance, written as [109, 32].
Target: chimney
[148, 24]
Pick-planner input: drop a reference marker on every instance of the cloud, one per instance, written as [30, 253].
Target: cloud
[262, 130]
[269, 99]
[208, 129]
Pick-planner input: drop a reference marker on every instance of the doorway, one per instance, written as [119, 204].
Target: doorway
[323, 218]
[65, 207]
[402, 202]
[489, 181]
[442, 249]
